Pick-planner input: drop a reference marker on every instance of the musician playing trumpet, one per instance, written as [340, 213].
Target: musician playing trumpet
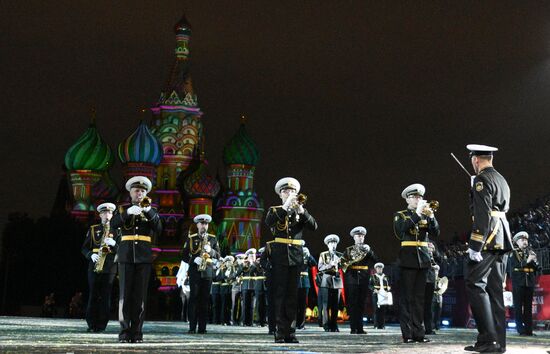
[355, 263]
[412, 227]
[523, 266]
[135, 226]
[101, 269]
[330, 287]
[200, 250]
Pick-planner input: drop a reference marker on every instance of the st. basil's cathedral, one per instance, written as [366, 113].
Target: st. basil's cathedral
[169, 151]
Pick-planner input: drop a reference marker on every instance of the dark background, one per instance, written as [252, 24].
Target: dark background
[356, 99]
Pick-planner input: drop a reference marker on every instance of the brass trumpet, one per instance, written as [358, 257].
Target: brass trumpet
[432, 205]
[145, 202]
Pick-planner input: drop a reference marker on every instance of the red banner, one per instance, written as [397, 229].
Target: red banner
[541, 297]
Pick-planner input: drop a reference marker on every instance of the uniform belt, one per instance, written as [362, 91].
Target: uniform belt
[247, 278]
[288, 241]
[498, 214]
[216, 283]
[136, 238]
[304, 273]
[259, 278]
[526, 270]
[225, 284]
[414, 244]
[358, 267]
[94, 250]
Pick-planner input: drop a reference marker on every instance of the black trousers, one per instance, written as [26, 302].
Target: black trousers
[247, 309]
[285, 295]
[301, 309]
[216, 307]
[411, 302]
[99, 299]
[484, 290]
[260, 306]
[356, 295]
[379, 313]
[436, 309]
[331, 300]
[428, 315]
[271, 318]
[523, 309]
[236, 304]
[225, 304]
[134, 282]
[198, 301]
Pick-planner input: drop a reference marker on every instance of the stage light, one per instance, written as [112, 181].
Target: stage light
[445, 322]
[511, 325]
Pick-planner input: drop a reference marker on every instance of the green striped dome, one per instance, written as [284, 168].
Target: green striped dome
[90, 152]
[241, 149]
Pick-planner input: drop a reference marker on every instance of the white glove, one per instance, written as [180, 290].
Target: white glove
[95, 257]
[197, 261]
[472, 180]
[110, 241]
[289, 201]
[147, 208]
[134, 210]
[474, 256]
[207, 248]
[366, 247]
[420, 207]
[227, 273]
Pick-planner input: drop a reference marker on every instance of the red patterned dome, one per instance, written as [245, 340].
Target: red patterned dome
[200, 184]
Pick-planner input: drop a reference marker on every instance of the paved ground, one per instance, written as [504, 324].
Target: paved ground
[39, 335]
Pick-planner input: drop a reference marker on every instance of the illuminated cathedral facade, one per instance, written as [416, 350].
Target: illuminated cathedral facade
[168, 150]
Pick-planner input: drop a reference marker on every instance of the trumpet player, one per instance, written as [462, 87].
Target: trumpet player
[200, 250]
[287, 223]
[331, 285]
[412, 227]
[356, 260]
[523, 266]
[101, 269]
[247, 272]
[135, 226]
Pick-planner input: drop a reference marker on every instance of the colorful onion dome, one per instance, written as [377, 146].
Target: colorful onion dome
[201, 184]
[140, 146]
[241, 149]
[89, 152]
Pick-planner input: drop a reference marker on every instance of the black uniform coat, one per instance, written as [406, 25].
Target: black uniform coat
[490, 193]
[358, 276]
[523, 273]
[408, 226]
[124, 224]
[91, 245]
[193, 248]
[287, 225]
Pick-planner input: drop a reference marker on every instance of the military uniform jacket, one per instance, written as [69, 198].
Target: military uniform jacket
[225, 286]
[143, 228]
[409, 227]
[216, 282]
[358, 276]
[260, 278]
[91, 245]
[374, 282]
[304, 271]
[490, 197]
[330, 276]
[193, 248]
[287, 225]
[247, 272]
[523, 273]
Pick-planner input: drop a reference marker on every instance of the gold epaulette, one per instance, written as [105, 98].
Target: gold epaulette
[193, 235]
[210, 235]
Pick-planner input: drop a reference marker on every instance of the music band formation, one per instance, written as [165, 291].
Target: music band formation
[271, 284]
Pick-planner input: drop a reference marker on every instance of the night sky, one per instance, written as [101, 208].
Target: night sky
[356, 99]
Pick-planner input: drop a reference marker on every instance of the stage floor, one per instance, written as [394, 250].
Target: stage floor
[39, 335]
